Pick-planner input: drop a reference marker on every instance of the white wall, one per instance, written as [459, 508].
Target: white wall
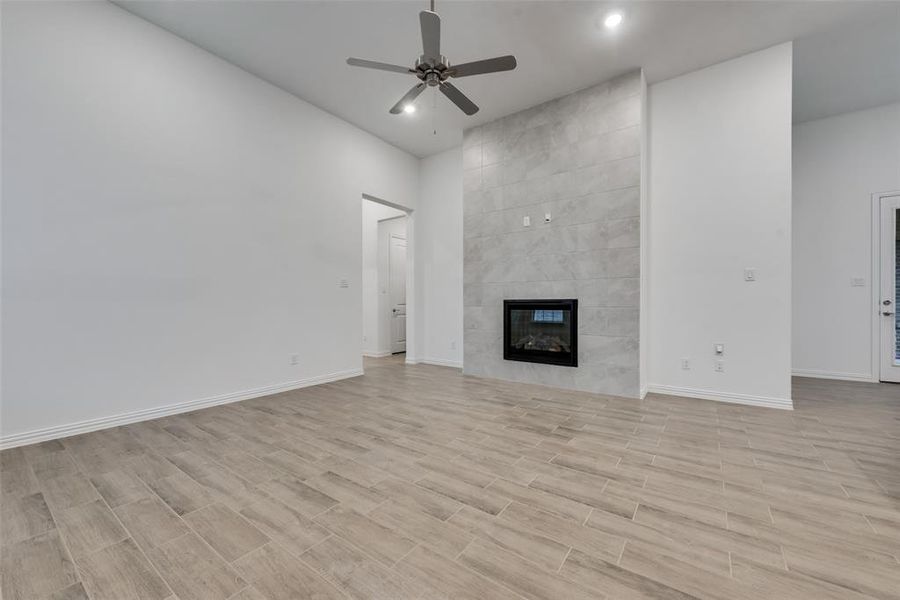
[838, 163]
[372, 213]
[439, 260]
[173, 227]
[720, 201]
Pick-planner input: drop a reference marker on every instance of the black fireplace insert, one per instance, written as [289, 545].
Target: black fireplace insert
[541, 331]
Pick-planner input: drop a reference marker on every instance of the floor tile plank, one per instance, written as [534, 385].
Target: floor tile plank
[386, 545]
[36, 567]
[194, 570]
[287, 526]
[280, 576]
[353, 572]
[150, 522]
[120, 572]
[89, 527]
[521, 576]
[24, 517]
[228, 533]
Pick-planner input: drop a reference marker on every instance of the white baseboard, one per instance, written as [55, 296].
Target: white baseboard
[865, 377]
[642, 393]
[439, 362]
[62, 431]
[748, 399]
[377, 354]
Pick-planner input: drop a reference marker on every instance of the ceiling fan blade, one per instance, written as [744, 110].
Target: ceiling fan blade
[458, 98]
[407, 98]
[371, 64]
[489, 65]
[431, 35]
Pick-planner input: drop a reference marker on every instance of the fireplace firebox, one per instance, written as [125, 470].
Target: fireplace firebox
[541, 331]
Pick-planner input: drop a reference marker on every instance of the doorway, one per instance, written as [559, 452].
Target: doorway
[888, 210]
[386, 273]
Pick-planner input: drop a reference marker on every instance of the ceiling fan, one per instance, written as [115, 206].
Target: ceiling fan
[433, 69]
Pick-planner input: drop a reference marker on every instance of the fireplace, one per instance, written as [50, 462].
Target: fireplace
[541, 331]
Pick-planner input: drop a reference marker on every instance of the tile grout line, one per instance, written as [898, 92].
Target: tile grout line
[622, 553]
[588, 517]
[565, 558]
[407, 553]
[872, 527]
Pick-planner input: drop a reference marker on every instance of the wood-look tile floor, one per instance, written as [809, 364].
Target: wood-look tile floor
[417, 482]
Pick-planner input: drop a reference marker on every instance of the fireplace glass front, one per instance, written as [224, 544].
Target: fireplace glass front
[541, 331]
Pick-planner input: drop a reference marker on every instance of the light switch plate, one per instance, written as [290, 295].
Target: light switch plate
[750, 274]
[719, 349]
[526, 221]
[857, 282]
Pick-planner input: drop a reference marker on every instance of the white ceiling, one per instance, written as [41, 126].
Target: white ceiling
[561, 47]
[849, 68]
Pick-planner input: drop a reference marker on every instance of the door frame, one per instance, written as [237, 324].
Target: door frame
[411, 297]
[875, 288]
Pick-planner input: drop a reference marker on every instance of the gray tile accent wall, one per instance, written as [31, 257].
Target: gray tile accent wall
[577, 158]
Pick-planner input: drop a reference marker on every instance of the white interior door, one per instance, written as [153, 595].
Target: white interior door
[397, 274]
[890, 288]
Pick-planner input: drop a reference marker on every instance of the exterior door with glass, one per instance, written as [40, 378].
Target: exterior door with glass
[890, 288]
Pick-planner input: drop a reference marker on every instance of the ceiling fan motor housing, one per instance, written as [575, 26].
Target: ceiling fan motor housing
[432, 73]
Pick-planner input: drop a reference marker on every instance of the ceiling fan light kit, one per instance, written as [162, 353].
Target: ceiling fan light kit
[433, 69]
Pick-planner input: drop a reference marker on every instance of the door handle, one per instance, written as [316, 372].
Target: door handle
[887, 314]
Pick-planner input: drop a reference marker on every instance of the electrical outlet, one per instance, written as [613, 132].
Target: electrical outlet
[750, 274]
[686, 364]
[547, 217]
[719, 366]
[295, 359]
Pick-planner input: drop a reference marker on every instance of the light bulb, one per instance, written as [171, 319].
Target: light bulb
[613, 20]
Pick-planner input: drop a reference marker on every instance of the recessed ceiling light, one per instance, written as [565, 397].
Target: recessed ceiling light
[613, 20]
[409, 109]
